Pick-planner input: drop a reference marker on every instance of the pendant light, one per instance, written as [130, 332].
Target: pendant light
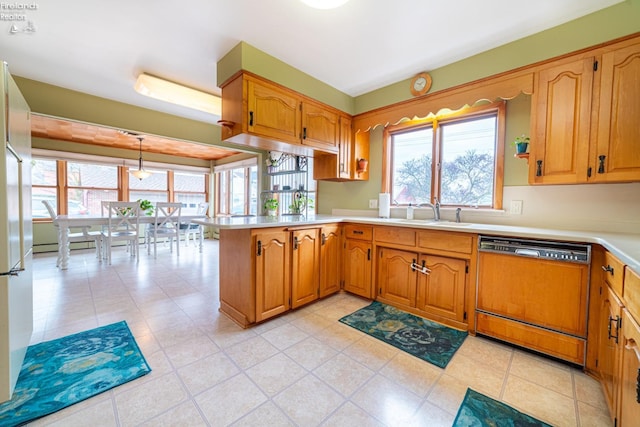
[140, 173]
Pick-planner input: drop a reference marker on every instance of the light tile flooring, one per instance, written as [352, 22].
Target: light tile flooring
[304, 368]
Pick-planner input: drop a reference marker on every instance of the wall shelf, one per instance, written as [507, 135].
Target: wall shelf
[522, 156]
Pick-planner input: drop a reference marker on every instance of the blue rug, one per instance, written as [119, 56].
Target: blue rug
[56, 374]
[420, 337]
[478, 410]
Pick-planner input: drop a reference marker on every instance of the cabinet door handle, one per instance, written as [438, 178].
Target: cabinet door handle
[539, 168]
[323, 239]
[304, 133]
[295, 242]
[608, 268]
[358, 232]
[601, 163]
[250, 118]
[369, 254]
[259, 248]
[617, 322]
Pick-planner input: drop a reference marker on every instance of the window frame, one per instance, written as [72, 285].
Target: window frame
[226, 170]
[465, 114]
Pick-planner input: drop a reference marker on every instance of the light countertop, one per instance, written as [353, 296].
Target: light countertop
[626, 247]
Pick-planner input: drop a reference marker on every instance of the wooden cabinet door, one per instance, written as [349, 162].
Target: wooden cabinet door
[330, 260]
[629, 373]
[396, 279]
[357, 267]
[617, 156]
[273, 112]
[441, 289]
[610, 343]
[320, 127]
[345, 162]
[561, 120]
[305, 266]
[273, 287]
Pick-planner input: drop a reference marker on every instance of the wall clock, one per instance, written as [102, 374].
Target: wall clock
[420, 84]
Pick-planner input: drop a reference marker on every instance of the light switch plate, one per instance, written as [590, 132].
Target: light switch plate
[373, 203]
[516, 207]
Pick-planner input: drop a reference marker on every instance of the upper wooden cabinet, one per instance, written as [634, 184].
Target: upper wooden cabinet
[583, 119]
[265, 115]
[344, 166]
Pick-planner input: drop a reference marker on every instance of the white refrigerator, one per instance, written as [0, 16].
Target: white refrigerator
[16, 233]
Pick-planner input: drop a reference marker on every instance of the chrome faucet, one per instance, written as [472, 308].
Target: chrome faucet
[458, 210]
[435, 207]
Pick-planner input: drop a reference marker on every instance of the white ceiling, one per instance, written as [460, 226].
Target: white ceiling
[99, 47]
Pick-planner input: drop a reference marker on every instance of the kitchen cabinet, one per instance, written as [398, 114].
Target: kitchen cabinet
[610, 345]
[330, 259]
[584, 110]
[357, 260]
[441, 289]
[265, 115]
[396, 278]
[305, 266]
[272, 272]
[629, 399]
[617, 154]
[343, 166]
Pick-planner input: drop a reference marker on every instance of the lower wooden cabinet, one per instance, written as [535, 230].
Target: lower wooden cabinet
[357, 267]
[629, 399]
[272, 273]
[433, 285]
[330, 259]
[396, 278]
[441, 290]
[610, 346]
[305, 266]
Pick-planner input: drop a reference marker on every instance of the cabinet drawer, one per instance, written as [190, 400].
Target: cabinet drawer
[445, 241]
[397, 235]
[360, 232]
[614, 272]
[631, 293]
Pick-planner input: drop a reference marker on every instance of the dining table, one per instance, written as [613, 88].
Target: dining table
[64, 222]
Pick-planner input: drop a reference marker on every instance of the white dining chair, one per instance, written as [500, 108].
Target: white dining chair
[165, 226]
[123, 226]
[84, 235]
[189, 230]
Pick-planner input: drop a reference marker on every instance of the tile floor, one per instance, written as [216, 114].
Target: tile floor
[304, 368]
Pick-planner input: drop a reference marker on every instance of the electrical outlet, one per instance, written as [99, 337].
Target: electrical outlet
[373, 204]
[516, 207]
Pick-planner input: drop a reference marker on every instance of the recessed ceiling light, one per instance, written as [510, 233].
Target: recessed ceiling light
[324, 4]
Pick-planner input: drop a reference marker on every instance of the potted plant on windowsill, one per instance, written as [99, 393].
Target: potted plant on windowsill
[271, 206]
[521, 143]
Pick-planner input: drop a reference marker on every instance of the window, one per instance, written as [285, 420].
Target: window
[237, 188]
[190, 190]
[88, 185]
[154, 188]
[43, 177]
[452, 159]
[81, 186]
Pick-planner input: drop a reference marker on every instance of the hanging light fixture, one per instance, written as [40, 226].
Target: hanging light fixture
[140, 173]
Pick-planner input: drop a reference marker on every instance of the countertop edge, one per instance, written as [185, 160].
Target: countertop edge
[626, 247]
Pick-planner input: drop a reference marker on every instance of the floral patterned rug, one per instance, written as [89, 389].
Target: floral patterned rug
[420, 337]
[56, 374]
[482, 411]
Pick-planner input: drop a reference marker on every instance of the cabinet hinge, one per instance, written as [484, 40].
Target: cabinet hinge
[595, 66]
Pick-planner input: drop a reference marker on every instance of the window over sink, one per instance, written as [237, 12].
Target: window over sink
[454, 158]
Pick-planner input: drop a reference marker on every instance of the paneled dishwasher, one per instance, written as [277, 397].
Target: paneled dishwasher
[534, 294]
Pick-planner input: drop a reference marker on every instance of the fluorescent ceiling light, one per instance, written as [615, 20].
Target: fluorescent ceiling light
[174, 93]
[324, 4]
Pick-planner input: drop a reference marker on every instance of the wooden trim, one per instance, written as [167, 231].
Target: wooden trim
[502, 86]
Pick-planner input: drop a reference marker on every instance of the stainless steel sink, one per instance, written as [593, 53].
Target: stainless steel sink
[432, 222]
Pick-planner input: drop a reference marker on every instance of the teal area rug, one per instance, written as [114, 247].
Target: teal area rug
[478, 410]
[420, 337]
[56, 374]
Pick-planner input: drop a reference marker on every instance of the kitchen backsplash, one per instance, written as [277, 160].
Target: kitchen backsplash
[599, 207]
